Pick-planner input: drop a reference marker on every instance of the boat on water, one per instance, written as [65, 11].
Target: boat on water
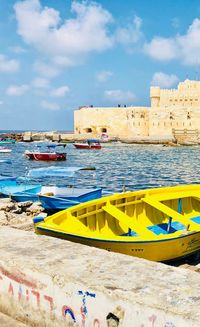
[91, 144]
[160, 224]
[7, 142]
[5, 150]
[55, 197]
[45, 156]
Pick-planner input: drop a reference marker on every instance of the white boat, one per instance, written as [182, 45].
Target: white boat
[5, 150]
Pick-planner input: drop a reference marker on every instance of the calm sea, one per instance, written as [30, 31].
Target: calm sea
[117, 165]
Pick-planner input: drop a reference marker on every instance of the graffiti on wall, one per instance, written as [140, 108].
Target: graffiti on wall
[28, 291]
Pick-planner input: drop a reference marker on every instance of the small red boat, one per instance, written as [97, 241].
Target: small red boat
[45, 156]
[91, 144]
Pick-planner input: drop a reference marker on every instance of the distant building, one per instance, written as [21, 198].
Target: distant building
[170, 109]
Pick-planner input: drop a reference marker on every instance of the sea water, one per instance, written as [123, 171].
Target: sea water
[118, 166]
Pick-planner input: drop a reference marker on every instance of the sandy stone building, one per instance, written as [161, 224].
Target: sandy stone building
[171, 110]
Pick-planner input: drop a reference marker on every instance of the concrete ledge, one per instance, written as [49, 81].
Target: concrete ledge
[6, 321]
[50, 282]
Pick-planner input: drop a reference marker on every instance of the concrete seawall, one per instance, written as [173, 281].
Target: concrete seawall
[50, 282]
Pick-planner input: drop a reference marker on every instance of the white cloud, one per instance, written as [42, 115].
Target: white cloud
[41, 83]
[46, 70]
[60, 91]
[161, 49]
[17, 49]
[184, 47]
[103, 76]
[130, 34]
[164, 80]
[50, 105]
[119, 95]
[43, 28]
[8, 65]
[17, 90]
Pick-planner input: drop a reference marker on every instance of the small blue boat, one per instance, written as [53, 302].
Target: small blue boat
[54, 197]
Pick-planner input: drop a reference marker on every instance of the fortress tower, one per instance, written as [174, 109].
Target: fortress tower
[155, 96]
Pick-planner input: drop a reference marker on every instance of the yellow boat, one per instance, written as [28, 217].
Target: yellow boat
[158, 224]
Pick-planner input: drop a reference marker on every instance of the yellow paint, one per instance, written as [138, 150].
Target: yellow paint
[103, 222]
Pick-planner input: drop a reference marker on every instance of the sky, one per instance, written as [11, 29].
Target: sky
[58, 55]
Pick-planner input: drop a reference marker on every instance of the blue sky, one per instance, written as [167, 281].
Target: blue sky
[58, 55]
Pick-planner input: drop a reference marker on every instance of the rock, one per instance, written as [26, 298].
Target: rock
[34, 208]
[25, 204]
[3, 219]
[17, 219]
[7, 205]
[17, 211]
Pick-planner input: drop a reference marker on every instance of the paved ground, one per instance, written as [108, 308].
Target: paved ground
[6, 321]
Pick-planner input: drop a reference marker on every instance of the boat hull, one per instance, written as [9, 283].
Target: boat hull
[87, 147]
[7, 142]
[54, 156]
[64, 202]
[153, 250]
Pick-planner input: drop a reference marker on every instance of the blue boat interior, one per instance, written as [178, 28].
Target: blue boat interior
[167, 228]
[196, 219]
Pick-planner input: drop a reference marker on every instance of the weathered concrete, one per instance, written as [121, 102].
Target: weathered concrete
[50, 282]
[6, 321]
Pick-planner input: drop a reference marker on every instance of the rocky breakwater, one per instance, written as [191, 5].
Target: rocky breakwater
[19, 214]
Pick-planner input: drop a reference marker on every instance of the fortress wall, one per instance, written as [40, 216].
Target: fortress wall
[170, 109]
[162, 122]
[118, 122]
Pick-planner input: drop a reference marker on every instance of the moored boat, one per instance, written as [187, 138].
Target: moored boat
[45, 156]
[159, 224]
[7, 142]
[56, 197]
[4, 150]
[91, 144]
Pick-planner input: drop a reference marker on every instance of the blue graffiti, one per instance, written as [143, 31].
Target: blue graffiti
[67, 310]
[84, 294]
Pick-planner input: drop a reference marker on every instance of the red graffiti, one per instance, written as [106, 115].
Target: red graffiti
[152, 319]
[27, 295]
[50, 300]
[10, 289]
[96, 323]
[37, 294]
[19, 277]
[1, 278]
[83, 316]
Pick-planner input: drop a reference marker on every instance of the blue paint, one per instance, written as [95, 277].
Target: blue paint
[84, 294]
[70, 313]
[196, 219]
[180, 205]
[166, 229]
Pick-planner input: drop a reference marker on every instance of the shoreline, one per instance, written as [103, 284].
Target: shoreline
[183, 139]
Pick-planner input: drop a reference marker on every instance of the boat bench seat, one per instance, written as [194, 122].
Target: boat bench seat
[163, 228]
[196, 219]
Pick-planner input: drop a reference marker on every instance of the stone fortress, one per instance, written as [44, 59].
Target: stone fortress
[172, 112]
